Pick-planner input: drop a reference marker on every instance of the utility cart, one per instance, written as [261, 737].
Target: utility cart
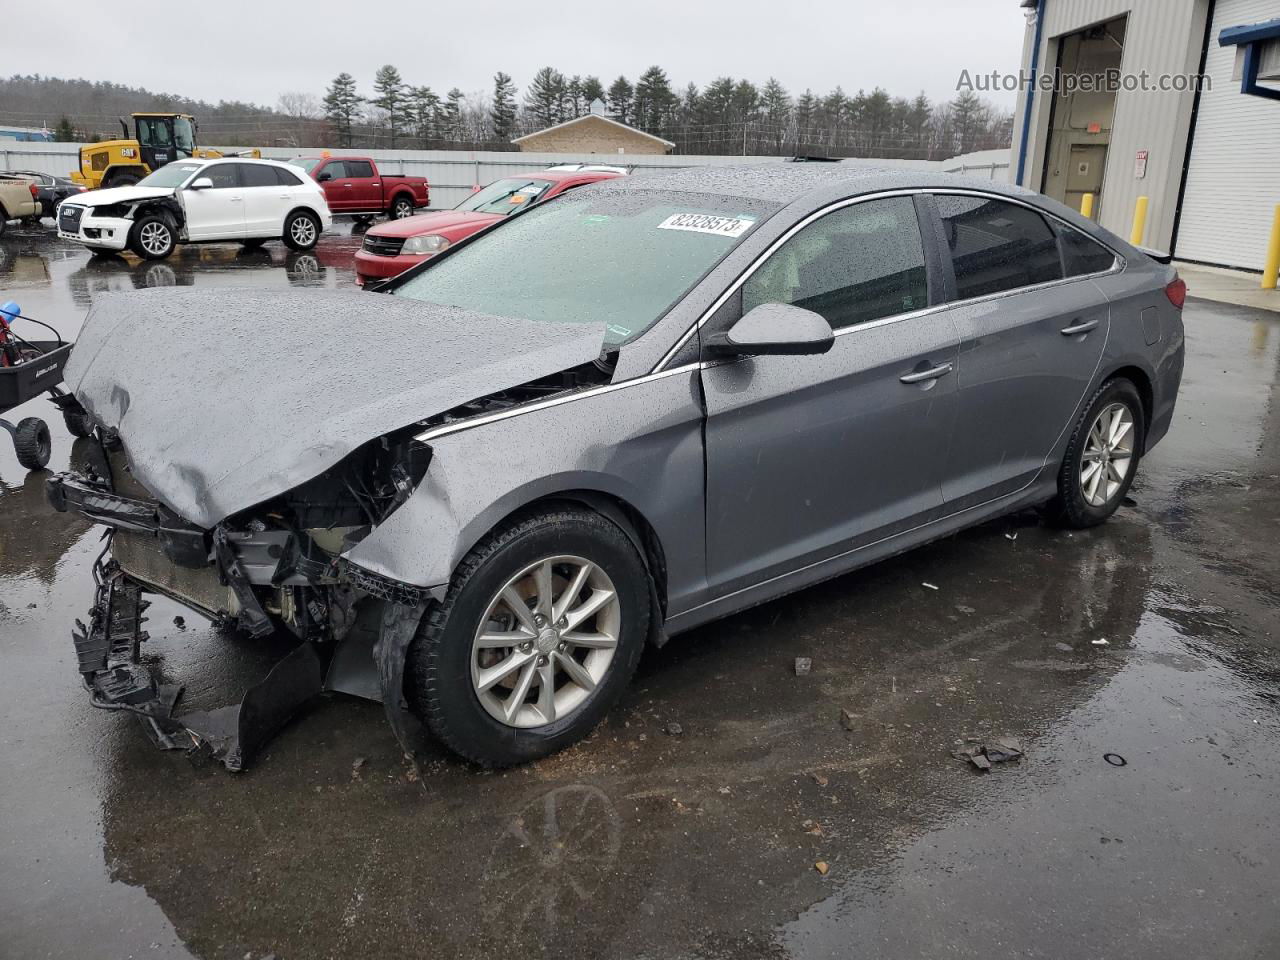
[29, 368]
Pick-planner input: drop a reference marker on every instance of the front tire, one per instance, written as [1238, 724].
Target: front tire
[537, 637]
[153, 237]
[301, 231]
[1102, 456]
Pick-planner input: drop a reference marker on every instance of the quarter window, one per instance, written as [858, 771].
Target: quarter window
[997, 246]
[855, 265]
[284, 178]
[1081, 254]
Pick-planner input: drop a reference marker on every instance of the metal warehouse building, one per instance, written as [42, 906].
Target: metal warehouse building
[1205, 154]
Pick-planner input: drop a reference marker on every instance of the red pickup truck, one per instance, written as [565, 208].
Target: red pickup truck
[353, 186]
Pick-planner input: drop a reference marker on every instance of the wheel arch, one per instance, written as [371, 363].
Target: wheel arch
[404, 192]
[303, 208]
[1141, 379]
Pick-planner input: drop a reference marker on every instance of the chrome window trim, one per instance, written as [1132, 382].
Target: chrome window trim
[432, 433]
[1117, 265]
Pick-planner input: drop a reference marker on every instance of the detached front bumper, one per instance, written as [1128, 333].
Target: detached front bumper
[224, 575]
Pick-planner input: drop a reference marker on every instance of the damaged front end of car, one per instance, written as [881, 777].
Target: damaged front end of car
[276, 567]
[249, 520]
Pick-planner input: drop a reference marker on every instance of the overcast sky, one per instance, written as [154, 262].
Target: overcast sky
[254, 50]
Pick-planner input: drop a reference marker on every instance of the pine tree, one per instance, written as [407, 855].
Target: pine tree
[502, 113]
[391, 98]
[64, 132]
[544, 100]
[619, 99]
[775, 105]
[592, 90]
[424, 113]
[654, 102]
[452, 114]
[573, 105]
[969, 119]
[342, 107]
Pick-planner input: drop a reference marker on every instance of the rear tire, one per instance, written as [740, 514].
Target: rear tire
[401, 207]
[446, 662]
[153, 237]
[32, 444]
[301, 231]
[1102, 456]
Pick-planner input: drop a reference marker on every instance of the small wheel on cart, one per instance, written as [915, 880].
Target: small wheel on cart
[31, 443]
[78, 421]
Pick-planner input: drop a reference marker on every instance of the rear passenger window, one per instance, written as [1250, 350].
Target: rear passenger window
[852, 266]
[252, 175]
[1082, 255]
[359, 168]
[284, 178]
[997, 246]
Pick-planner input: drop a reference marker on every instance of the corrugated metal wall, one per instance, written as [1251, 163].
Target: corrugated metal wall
[1233, 182]
[1162, 36]
[453, 173]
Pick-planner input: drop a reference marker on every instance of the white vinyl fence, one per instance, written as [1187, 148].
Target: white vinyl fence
[454, 173]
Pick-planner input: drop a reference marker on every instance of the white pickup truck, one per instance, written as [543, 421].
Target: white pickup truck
[200, 201]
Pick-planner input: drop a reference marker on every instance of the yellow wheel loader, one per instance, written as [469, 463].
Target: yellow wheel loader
[159, 138]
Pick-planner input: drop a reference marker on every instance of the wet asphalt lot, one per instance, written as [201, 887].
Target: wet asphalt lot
[644, 843]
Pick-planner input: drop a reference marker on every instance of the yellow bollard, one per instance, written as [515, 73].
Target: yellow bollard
[1086, 206]
[1273, 254]
[1139, 221]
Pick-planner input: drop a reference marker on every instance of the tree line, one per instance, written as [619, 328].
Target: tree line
[726, 116]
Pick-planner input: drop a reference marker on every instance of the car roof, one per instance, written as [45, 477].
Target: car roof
[208, 160]
[559, 176]
[784, 183]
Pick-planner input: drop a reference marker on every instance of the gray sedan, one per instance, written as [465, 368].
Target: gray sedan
[632, 410]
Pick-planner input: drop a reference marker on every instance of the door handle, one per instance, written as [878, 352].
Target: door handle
[933, 373]
[347, 185]
[1081, 327]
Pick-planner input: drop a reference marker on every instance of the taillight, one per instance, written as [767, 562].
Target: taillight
[1177, 292]
[34, 191]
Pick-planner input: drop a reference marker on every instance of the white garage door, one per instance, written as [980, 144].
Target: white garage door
[1233, 182]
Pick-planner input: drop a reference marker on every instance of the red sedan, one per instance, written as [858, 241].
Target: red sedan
[393, 247]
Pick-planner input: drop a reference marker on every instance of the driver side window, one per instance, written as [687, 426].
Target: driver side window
[854, 265]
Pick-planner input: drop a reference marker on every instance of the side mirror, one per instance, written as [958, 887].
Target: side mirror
[324, 176]
[773, 328]
[200, 183]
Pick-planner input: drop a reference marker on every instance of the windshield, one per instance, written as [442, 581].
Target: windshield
[173, 175]
[505, 196]
[617, 259]
[184, 135]
[306, 163]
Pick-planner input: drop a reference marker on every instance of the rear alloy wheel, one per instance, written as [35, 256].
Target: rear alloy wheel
[301, 231]
[538, 636]
[32, 444]
[152, 237]
[401, 207]
[1102, 456]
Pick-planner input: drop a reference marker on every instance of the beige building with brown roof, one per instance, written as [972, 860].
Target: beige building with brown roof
[593, 133]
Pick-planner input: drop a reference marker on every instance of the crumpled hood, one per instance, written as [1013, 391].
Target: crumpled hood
[224, 400]
[102, 198]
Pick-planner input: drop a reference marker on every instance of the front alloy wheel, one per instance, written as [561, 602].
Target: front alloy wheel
[537, 637]
[546, 641]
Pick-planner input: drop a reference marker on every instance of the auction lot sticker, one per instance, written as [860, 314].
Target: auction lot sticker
[706, 223]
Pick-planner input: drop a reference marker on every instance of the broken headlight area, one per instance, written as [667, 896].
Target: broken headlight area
[276, 566]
